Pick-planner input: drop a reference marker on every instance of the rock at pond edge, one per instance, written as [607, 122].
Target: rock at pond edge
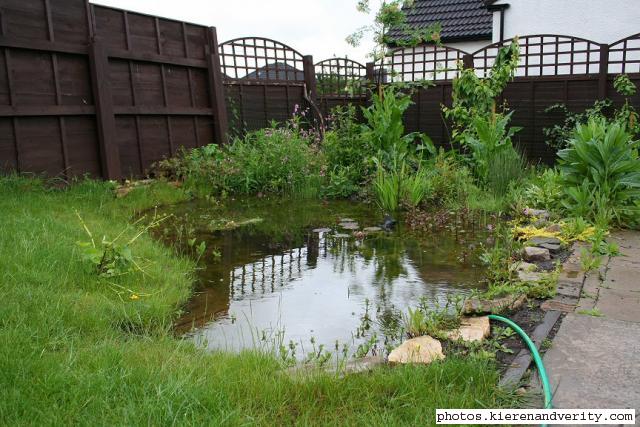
[472, 329]
[423, 350]
[532, 254]
[544, 240]
[525, 266]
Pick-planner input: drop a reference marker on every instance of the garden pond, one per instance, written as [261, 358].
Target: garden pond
[302, 273]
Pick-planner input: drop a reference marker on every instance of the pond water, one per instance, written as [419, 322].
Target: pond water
[267, 277]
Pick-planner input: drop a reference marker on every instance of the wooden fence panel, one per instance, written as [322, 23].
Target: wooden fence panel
[264, 81]
[88, 89]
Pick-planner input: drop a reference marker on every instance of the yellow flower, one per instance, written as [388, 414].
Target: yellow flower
[134, 296]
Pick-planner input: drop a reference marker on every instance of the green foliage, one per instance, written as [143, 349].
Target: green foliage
[624, 86]
[416, 188]
[106, 360]
[507, 166]
[275, 160]
[601, 173]
[475, 96]
[449, 181]
[575, 227]
[594, 312]
[479, 129]
[384, 128]
[400, 185]
[545, 191]
[499, 258]
[434, 321]
[489, 140]
[387, 187]
[546, 288]
[392, 15]
[347, 154]
[111, 258]
[559, 135]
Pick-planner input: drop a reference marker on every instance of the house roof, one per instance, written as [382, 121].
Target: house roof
[460, 19]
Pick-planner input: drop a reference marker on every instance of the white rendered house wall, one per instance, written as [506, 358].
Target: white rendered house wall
[602, 21]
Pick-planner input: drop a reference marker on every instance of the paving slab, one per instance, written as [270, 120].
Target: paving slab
[623, 277]
[620, 305]
[594, 362]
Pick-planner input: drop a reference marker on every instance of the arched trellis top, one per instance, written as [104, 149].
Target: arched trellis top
[340, 77]
[425, 62]
[545, 55]
[624, 55]
[340, 62]
[259, 58]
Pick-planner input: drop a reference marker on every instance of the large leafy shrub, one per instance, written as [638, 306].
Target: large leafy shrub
[492, 153]
[275, 160]
[384, 129]
[347, 153]
[475, 96]
[558, 135]
[601, 173]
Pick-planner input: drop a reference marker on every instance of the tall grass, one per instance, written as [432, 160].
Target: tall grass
[77, 350]
[387, 189]
[505, 166]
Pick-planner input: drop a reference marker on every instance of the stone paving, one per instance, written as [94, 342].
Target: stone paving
[594, 361]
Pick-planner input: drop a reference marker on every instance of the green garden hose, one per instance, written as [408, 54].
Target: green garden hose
[536, 358]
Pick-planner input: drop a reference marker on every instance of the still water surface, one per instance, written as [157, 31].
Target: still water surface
[276, 279]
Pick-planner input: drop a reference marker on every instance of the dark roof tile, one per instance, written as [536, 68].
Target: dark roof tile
[460, 19]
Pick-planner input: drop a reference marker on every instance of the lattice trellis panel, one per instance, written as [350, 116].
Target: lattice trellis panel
[341, 77]
[420, 63]
[545, 55]
[624, 55]
[256, 58]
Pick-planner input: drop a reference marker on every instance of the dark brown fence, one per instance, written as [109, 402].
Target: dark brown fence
[552, 69]
[341, 81]
[97, 90]
[87, 89]
[264, 81]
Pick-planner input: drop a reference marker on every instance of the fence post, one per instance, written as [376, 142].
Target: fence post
[370, 74]
[216, 88]
[105, 118]
[603, 72]
[310, 77]
[467, 61]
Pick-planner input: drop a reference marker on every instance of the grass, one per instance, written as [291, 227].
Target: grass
[75, 351]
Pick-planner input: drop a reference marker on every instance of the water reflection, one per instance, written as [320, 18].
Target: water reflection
[275, 274]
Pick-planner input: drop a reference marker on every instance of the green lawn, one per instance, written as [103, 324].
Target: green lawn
[75, 351]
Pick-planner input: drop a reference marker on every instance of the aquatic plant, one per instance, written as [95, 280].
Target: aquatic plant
[489, 140]
[434, 320]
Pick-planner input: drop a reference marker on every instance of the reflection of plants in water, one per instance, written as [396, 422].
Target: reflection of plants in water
[344, 253]
[390, 323]
[389, 258]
